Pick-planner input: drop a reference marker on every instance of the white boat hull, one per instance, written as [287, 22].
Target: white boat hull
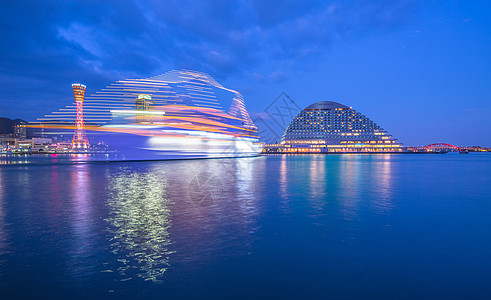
[126, 146]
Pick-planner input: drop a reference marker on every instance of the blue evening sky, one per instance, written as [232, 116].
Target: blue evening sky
[420, 69]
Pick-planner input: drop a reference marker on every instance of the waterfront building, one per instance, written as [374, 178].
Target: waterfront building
[6, 142]
[143, 103]
[20, 131]
[328, 126]
[33, 143]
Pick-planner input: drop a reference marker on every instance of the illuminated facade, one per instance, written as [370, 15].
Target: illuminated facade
[328, 126]
[143, 103]
[20, 131]
[80, 140]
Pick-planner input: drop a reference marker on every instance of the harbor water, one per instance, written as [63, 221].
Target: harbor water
[270, 227]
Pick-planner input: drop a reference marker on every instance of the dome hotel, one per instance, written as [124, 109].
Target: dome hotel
[331, 127]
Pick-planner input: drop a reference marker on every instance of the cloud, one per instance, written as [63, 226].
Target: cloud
[277, 76]
[97, 42]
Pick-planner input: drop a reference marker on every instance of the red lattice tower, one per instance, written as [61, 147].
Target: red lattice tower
[80, 140]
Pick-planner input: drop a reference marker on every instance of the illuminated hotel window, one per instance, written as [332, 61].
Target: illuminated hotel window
[337, 129]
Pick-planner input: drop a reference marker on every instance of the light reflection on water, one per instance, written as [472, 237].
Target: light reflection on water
[191, 224]
[50, 159]
[3, 232]
[214, 198]
[318, 184]
[383, 185]
[248, 190]
[82, 228]
[138, 223]
[209, 196]
[348, 181]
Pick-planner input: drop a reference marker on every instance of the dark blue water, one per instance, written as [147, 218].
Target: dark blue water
[333, 226]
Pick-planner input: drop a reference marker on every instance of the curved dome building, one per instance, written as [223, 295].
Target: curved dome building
[328, 126]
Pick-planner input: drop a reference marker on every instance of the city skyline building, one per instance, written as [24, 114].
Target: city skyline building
[20, 131]
[143, 103]
[328, 126]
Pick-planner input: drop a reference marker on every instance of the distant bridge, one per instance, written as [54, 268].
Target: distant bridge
[442, 147]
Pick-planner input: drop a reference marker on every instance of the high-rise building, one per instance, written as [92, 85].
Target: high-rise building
[80, 140]
[328, 126]
[20, 131]
[143, 103]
